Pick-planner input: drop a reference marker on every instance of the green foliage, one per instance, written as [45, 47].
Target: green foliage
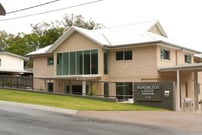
[4, 37]
[43, 34]
[92, 90]
[68, 101]
[79, 21]
[22, 43]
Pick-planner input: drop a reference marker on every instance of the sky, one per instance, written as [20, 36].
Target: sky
[181, 19]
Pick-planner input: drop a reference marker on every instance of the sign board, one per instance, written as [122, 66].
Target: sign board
[147, 92]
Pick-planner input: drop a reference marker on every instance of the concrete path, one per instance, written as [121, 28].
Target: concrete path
[181, 120]
[41, 107]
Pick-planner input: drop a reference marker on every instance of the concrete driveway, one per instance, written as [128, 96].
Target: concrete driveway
[180, 120]
[22, 119]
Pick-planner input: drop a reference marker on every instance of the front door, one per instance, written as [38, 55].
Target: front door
[50, 87]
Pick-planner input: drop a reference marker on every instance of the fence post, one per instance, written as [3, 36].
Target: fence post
[17, 82]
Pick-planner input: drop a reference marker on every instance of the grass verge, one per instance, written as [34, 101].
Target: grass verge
[68, 102]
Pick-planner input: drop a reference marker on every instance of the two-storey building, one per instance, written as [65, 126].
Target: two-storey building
[108, 61]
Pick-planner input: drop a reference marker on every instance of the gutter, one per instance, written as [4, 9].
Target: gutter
[153, 42]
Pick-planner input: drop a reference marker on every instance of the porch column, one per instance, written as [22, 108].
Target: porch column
[178, 92]
[84, 87]
[196, 89]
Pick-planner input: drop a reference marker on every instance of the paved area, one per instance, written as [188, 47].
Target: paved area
[180, 120]
[17, 119]
[40, 107]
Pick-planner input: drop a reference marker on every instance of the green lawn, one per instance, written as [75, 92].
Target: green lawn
[68, 101]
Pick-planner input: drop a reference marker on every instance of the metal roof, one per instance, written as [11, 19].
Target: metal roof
[14, 55]
[130, 34]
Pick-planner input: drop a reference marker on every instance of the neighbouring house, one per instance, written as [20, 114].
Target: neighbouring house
[12, 64]
[2, 10]
[123, 62]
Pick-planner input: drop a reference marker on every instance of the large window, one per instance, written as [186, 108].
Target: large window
[124, 55]
[165, 54]
[77, 62]
[187, 59]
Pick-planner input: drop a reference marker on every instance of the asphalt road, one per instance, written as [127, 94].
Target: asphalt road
[19, 120]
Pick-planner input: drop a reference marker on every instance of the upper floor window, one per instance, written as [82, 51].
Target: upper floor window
[187, 58]
[165, 54]
[50, 61]
[124, 55]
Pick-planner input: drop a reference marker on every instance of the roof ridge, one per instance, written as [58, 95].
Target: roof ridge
[127, 24]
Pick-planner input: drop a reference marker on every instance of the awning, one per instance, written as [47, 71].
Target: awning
[184, 67]
[71, 77]
[195, 68]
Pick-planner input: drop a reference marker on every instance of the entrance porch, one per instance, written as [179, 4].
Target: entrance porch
[188, 79]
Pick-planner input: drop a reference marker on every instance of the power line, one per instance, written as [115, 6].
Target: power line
[78, 5]
[32, 7]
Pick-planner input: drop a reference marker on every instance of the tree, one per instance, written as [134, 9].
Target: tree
[23, 43]
[4, 36]
[79, 21]
[43, 34]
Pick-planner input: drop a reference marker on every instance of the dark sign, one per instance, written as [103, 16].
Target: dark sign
[148, 92]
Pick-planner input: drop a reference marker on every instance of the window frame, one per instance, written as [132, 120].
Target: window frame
[125, 56]
[187, 59]
[165, 54]
[50, 58]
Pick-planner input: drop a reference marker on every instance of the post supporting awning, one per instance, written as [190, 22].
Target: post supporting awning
[178, 91]
[195, 68]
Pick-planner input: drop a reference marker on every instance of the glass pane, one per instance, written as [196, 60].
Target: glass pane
[162, 53]
[119, 55]
[80, 62]
[87, 62]
[59, 64]
[94, 61]
[106, 55]
[50, 60]
[187, 59]
[128, 55]
[72, 63]
[166, 54]
[65, 63]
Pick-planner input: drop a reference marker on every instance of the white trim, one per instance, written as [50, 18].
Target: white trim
[195, 66]
[78, 77]
[178, 92]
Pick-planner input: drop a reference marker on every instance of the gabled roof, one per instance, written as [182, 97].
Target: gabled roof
[114, 36]
[130, 34]
[40, 51]
[14, 55]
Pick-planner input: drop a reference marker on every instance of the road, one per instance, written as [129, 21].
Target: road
[19, 120]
